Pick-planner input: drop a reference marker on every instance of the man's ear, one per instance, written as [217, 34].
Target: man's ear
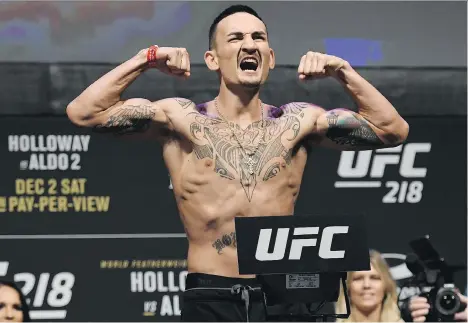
[272, 59]
[211, 60]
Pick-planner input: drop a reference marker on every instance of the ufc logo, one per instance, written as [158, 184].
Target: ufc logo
[297, 244]
[362, 165]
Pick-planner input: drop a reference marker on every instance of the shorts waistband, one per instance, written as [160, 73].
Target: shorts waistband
[198, 280]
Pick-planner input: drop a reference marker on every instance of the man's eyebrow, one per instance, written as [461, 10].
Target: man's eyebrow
[238, 33]
[235, 33]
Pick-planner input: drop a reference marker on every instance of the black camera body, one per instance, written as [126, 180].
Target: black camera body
[444, 303]
[434, 278]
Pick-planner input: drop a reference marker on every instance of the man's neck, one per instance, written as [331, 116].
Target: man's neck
[242, 107]
[371, 316]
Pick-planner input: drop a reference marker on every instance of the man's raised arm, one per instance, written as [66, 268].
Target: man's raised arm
[100, 105]
[377, 124]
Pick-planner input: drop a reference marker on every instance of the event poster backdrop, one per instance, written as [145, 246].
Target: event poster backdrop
[67, 180]
[98, 280]
[89, 227]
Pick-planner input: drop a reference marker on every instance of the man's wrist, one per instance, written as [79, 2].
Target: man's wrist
[140, 60]
[151, 57]
[346, 71]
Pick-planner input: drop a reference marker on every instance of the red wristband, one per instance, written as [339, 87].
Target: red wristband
[151, 55]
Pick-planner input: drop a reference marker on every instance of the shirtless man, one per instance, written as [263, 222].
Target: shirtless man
[234, 156]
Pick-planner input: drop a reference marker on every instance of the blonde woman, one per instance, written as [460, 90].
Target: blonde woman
[372, 294]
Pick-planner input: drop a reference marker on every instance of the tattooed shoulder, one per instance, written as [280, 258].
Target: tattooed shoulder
[294, 107]
[297, 108]
[185, 103]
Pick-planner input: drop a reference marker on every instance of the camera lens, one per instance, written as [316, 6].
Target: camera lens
[447, 301]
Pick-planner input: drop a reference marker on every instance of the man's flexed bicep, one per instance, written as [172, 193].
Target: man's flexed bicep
[133, 116]
[347, 130]
[100, 105]
[138, 117]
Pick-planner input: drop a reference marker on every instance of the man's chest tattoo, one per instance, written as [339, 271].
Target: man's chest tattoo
[231, 155]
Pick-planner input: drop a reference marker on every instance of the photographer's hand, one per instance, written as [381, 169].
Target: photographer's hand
[419, 308]
[462, 316]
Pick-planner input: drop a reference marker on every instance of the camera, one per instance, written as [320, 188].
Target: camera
[434, 278]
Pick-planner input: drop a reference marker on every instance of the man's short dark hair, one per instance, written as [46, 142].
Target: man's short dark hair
[227, 12]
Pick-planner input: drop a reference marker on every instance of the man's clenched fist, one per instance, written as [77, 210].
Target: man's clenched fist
[317, 65]
[170, 60]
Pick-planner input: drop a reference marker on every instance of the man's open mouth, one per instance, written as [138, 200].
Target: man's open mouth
[249, 64]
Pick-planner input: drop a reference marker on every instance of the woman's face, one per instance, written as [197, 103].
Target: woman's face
[10, 305]
[367, 290]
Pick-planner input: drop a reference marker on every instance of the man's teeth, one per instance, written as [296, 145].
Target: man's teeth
[249, 64]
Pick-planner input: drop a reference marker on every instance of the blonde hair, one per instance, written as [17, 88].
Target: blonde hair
[390, 311]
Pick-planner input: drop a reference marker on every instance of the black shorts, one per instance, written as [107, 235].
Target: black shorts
[210, 298]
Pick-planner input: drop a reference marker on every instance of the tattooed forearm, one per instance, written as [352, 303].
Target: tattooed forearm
[128, 119]
[227, 240]
[348, 128]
